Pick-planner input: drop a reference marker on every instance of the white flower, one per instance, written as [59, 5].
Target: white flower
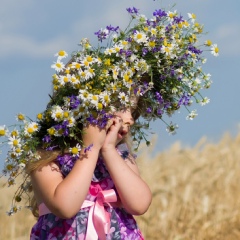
[192, 16]
[30, 128]
[215, 50]
[140, 37]
[64, 79]
[14, 142]
[57, 113]
[75, 150]
[124, 99]
[3, 131]
[204, 101]
[105, 98]
[20, 117]
[58, 66]
[61, 54]
[171, 129]
[192, 115]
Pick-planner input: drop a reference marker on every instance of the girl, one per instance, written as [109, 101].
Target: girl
[85, 179]
[98, 196]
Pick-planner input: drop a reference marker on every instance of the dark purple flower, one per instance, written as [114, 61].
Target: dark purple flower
[159, 13]
[149, 110]
[46, 139]
[133, 10]
[86, 149]
[112, 29]
[144, 51]
[66, 163]
[160, 111]
[74, 102]
[51, 148]
[184, 100]
[101, 34]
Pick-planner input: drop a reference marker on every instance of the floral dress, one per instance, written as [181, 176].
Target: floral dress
[122, 225]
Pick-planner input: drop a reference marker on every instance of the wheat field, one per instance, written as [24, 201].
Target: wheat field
[196, 194]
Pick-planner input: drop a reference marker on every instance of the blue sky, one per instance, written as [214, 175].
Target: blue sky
[31, 32]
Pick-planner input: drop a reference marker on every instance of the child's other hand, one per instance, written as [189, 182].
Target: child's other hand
[115, 133]
[92, 134]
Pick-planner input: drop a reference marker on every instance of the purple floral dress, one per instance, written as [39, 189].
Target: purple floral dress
[122, 224]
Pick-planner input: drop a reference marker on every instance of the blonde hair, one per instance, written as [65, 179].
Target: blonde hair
[46, 157]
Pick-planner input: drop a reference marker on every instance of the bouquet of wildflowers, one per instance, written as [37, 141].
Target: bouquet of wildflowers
[156, 60]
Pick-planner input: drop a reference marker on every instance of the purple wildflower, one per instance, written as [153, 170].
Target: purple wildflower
[184, 100]
[133, 10]
[66, 163]
[86, 149]
[74, 102]
[101, 34]
[46, 139]
[149, 110]
[159, 13]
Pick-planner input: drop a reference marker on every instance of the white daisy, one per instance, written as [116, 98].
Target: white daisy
[14, 142]
[215, 50]
[192, 115]
[140, 37]
[75, 151]
[58, 66]
[124, 99]
[61, 54]
[57, 113]
[192, 16]
[30, 128]
[204, 101]
[3, 131]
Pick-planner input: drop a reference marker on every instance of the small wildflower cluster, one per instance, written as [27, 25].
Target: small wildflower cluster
[156, 60]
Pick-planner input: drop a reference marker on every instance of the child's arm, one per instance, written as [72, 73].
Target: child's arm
[134, 193]
[64, 196]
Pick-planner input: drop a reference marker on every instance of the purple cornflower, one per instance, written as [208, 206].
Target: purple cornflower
[160, 111]
[159, 13]
[74, 102]
[51, 148]
[159, 97]
[66, 163]
[86, 149]
[144, 51]
[149, 110]
[184, 100]
[101, 34]
[112, 29]
[46, 139]
[194, 49]
[133, 10]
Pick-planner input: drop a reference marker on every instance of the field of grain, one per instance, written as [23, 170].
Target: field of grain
[196, 194]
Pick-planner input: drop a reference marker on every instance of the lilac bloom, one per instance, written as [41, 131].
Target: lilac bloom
[46, 139]
[133, 10]
[86, 149]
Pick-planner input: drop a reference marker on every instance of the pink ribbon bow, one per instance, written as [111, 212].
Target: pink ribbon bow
[98, 219]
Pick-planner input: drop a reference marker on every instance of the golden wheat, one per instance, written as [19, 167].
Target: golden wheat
[196, 194]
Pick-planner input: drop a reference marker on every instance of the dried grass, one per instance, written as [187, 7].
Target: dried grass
[196, 194]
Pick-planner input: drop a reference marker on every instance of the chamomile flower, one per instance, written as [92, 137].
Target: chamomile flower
[124, 99]
[75, 151]
[204, 101]
[3, 131]
[140, 37]
[14, 142]
[20, 117]
[192, 16]
[171, 129]
[192, 115]
[215, 50]
[30, 128]
[58, 66]
[57, 113]
[61, 54]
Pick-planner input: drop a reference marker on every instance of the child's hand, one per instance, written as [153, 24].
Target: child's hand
[114, 133]
[92, 134]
